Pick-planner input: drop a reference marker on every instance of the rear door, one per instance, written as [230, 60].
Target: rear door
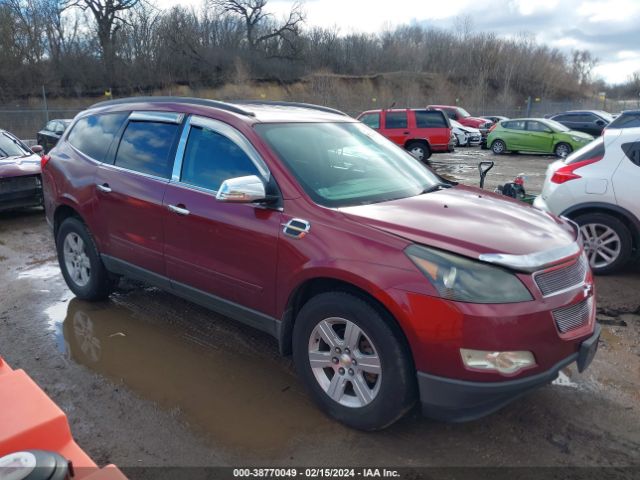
[396, 126]
[130, 188]
[627, 176]
[514, 134]
[225, 250]
[433, 125]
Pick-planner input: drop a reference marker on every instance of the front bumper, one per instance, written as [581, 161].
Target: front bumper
[20, 192]
[454, 400]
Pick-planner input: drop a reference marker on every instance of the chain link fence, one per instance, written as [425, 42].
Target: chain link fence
[26, 122]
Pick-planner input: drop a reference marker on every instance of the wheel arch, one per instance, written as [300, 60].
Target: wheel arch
[311, 287]
[61, 213]
[622, 214]
[417, 140]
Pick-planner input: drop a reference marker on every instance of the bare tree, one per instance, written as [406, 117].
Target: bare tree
[260, 25]
[109, 18]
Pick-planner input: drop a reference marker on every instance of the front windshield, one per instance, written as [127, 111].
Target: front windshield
[558, 127]
[342, 164]
[11, 147]
[463, 113]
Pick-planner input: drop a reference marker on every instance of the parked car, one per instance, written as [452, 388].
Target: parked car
[539, 135]
[597, 187]
[20, 183]
[51, 133]
[495, 118]
[465, 136]
[626, 119]
[420, 132]
[587, 121]
[462, 116]
[386, 282]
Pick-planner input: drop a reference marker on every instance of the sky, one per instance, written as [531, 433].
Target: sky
[610, 29]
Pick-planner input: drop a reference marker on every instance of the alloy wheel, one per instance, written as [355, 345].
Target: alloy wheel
[345, 362]
[601, 243]
[76, 259]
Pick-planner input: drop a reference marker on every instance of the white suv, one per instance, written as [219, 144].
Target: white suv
[598, 187]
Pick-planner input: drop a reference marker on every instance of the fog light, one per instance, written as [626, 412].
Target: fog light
[502, 362]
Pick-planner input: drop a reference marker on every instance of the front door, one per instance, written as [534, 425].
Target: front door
[539, 137]
[227, 250]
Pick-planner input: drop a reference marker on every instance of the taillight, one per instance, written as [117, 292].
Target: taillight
[566, 173]
[492, 127]
[44, 160]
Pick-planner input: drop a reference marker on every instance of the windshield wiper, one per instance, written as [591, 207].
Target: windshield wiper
[435, 188]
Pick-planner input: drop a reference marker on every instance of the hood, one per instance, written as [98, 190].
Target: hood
[470, 129]
[468, 221]
[19, 166]
[474, 121]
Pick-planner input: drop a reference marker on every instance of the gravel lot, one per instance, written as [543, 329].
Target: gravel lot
[148, 379]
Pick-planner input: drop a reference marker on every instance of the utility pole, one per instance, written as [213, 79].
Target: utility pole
[528, 106]
[46, 109]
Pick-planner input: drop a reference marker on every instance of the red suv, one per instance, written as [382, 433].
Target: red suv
[387, 283]
[420, 132]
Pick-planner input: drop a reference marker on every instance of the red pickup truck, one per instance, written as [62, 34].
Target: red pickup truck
[460, 115]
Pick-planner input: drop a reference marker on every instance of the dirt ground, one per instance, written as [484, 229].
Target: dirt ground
[148, 379]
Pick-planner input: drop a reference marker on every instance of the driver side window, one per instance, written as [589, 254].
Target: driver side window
[211, 158]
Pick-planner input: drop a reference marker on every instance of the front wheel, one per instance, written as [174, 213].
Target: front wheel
[498, 147]
[563, 150]
[80, 262]
[352, 361]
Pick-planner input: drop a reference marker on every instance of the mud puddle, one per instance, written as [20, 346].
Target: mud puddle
[236, 400]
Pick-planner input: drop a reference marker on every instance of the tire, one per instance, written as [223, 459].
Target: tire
[498, 147]
[562, 150]
[389, 394]
[420, 150]
[80, 262]
[615, 252]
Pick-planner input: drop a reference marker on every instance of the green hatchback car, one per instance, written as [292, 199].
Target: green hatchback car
[537, 135]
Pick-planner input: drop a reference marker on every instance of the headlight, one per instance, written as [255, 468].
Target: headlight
[578, 139]
[465, 280]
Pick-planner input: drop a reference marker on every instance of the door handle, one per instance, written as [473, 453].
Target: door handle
[406, 133]
[178, 210]
[104, 187]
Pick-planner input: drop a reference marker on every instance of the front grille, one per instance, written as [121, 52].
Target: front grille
[564, 278]
[18, 184]
[574, 316]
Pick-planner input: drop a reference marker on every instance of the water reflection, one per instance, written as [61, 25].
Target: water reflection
[237, 399]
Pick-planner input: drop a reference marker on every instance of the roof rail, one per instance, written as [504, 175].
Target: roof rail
[310, 106]
[189, 100]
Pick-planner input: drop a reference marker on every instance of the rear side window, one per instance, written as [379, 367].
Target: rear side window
[562, 118]
[632, 151]
[147, 147]
[371, 120]
[396, 120]
[514, 125]
[593, 150]
[430, 119]
[211, 158]
[92, 135]
[626, 121]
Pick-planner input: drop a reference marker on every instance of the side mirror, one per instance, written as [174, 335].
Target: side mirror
[37, 149]
[600, 123]
[242, 190]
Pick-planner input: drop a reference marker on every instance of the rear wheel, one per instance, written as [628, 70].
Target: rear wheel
[420, 150]
[607, 242]
[562, 150]
[80, 262]
[498, 147]
[352, 361]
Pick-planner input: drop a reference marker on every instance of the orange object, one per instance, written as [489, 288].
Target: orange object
[29, 420]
